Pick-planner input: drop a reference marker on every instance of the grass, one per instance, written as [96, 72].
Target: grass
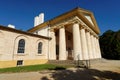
[32, 68]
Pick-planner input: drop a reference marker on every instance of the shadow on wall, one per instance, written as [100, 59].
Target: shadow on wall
[83, 74]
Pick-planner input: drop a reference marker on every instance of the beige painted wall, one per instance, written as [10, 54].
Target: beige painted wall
[43, 31]
[9, 46]
[13, 63]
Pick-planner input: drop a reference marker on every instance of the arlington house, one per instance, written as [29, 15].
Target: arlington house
[69, 36]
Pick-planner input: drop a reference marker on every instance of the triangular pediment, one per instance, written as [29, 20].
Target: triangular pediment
[89, 19]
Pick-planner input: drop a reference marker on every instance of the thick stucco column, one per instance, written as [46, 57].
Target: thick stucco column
[89, 44]
[99, 51]
[92, 48]
[52, 53]
[84, 44]
[77, 42]
[96, 48]
[62, 44]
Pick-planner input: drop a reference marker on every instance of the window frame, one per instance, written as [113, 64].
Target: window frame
[21, 46]
[40, 45]
[19, 62]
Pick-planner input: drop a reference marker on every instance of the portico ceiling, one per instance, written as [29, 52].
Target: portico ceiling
[69, 28]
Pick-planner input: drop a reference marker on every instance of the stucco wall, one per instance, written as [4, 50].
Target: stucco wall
[9, 46]
[42, 31]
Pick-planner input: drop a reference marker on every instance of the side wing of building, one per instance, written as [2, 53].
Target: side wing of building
[21, 48]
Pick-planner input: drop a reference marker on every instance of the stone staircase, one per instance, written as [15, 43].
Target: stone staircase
[73, 63]
[66, 62]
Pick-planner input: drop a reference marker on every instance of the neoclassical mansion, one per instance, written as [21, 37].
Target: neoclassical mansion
[70, 36]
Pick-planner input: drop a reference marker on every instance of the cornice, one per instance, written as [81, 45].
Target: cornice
[72, 20]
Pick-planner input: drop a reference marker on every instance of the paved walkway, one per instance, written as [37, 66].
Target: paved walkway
[103, 70]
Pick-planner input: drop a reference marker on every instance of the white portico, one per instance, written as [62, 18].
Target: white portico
[84, 45]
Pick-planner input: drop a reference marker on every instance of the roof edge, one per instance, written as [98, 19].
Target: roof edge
[23, 32]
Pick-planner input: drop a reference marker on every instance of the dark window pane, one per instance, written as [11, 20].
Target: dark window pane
[39, 47]
[19, 62]
[21, 46]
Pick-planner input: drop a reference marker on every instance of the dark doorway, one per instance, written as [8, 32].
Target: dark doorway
[57, 52]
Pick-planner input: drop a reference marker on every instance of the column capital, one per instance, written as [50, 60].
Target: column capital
[61, 26]
[75, 22]
[52, 30]
[97, 37]
[87, 30]
[82, 26]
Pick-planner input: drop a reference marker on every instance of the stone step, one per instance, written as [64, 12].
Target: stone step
[66, 62]
[79, 63]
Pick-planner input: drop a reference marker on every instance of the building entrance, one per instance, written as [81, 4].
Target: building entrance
[69, 45]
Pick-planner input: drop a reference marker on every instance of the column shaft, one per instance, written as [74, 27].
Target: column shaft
[99, 51]
[95, 47]
[84, 44]
[89, 44]
[94, 53]
[52, 53]
[92, 45]
[77, 42]
[62, 44]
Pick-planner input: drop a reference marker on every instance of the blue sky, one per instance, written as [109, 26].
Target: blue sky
[21, 13]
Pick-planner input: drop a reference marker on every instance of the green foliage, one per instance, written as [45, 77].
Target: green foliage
[110, 44]
[31, 68]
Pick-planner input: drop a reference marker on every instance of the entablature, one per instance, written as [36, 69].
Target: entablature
[70, 21]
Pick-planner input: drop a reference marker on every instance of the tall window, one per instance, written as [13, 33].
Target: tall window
[21, 46]
[39, 47]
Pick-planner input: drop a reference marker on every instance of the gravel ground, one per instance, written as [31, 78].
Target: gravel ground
[100, 70]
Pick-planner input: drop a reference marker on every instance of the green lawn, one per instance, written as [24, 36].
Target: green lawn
[32, 68]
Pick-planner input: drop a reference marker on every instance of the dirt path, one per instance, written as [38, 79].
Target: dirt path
[100, 70]
[107, 65]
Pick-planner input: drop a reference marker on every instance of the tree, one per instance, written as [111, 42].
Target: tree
[110, 44]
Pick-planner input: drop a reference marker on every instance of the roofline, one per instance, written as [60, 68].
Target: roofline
[22, 32]
[73, 12]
